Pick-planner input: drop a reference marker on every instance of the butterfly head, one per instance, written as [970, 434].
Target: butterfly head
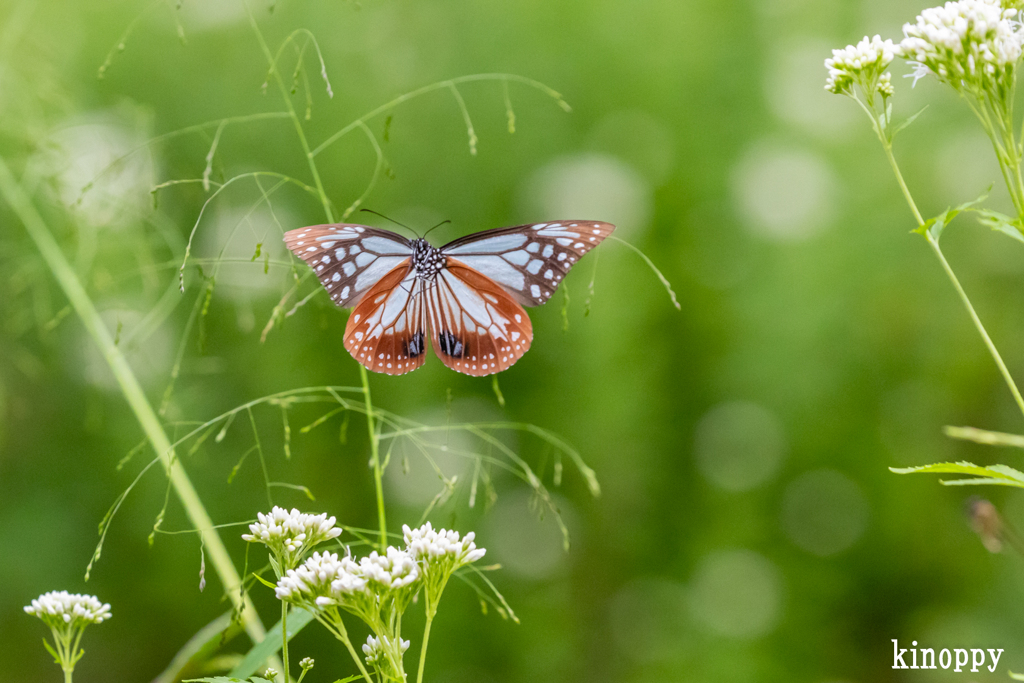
[426, 259]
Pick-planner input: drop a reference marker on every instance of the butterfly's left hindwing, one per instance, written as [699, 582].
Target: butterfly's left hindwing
[530, 260]
[387, 329]
[348, 259]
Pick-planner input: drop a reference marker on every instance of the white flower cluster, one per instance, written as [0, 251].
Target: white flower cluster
[862, 63]
[968, 42]
[428, 545]
[289, 534]
[61, 609]
[394, 570]
[375, 648]
[321, 580]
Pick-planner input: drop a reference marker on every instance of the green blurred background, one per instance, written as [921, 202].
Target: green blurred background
[748, 530]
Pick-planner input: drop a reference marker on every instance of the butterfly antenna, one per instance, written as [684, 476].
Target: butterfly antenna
[387, 218]
[436, 226]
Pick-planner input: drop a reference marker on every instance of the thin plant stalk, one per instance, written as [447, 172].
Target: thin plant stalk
[328, 211]
[934, 244]
[423, 649]
[284, 641]
[375, 458]
[83, 305]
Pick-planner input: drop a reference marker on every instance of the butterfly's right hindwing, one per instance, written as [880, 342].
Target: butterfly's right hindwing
[476, 327]
[348, 259]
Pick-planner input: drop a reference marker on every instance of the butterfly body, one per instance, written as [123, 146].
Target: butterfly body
[466, 296]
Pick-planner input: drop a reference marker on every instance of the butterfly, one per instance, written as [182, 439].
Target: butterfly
[466, 297]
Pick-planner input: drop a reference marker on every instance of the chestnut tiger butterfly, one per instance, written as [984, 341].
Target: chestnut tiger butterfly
[467, 297]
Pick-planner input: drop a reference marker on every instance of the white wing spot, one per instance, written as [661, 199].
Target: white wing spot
[535, 291]
[349, 268]
[325, 259]
[519, 318]
[339, 253]
[518, 257]
[578, 245]
[344, 292]
[354, 249]
[310, 248]
[534, 266]
[327, 245]
[564, 241]
[547, 274]
[548, 251]
[561, 256]
[337, 276]
[533, 247]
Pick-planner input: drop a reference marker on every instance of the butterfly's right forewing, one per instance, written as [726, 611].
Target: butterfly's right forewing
[348, 259]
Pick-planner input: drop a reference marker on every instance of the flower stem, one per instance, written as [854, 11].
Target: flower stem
[284, 641]
[934, 244]
[423, 649]
[977, 323]
[83, 305]
[375, 458]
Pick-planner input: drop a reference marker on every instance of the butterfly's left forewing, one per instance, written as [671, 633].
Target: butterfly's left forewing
[529, 261]
[348, 259]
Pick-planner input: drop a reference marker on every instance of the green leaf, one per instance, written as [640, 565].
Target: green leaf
[908, 121]
[266, 583]
[1001, 223]
[215, 679]
[49, 648]
[1000, 475]
[1016, 677]
[935, 226]
[206, 641]
[258, 655]
[349, 679]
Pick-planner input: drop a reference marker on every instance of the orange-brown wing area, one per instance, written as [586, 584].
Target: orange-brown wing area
[387, 329]
[476, 327]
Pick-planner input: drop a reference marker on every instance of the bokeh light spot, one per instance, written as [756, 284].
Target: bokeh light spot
[736, 593]
[784, 193]
[521, 541]
[590, 186]
[824, 512]
[739, 445]
[649, 620]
